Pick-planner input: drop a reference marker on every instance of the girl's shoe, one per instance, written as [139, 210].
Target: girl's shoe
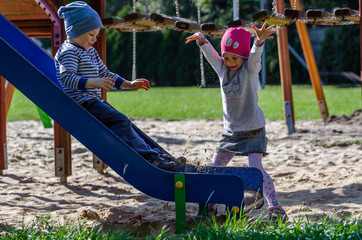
[251, 203]
[276, 213]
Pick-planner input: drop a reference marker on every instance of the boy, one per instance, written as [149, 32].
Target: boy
[82, 75]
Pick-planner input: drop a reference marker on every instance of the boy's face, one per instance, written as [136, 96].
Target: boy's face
[86, 40]
[232, 61]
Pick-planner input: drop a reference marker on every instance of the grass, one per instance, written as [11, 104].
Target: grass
[193, 102]
[175, 103]
[231, 228]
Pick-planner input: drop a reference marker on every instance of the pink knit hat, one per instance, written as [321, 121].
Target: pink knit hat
[236, 41]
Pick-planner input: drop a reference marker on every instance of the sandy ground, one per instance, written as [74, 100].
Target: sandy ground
[316, 171]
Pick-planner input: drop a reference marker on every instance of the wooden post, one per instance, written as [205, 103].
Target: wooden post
[285, 74]
[100, 7]
[62, 139]
[3, 148]
[312, 65]
[360, 39]
[9, 92]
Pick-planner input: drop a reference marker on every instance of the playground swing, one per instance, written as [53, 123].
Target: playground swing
[138, 22]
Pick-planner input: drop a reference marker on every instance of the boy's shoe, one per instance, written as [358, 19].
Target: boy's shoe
[276, 213]
[212, 210]
[251, 203]
[163, 164]
[208, 210]
[180, 161]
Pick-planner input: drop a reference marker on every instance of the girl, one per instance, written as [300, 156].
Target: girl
[238, 71]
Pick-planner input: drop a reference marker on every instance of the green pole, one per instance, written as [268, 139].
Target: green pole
[47, 123]
[180, 203]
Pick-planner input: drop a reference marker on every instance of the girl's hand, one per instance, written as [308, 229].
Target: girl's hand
[263, 33]
[103, 83]
[197, 36]
[139, 83]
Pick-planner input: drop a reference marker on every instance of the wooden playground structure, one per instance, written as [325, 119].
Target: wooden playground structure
[39, 19]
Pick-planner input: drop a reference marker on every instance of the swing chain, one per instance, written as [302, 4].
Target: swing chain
[147, 2]
[295, 4]
[177, 8]
[273, 6]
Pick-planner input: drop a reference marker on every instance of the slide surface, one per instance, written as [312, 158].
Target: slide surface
[32, 71]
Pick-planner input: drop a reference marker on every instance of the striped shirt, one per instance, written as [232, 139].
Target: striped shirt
[75, 66]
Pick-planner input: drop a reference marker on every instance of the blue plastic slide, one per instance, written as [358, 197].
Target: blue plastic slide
[32, 71]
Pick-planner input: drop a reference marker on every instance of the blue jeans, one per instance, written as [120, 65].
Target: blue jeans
[121, 126]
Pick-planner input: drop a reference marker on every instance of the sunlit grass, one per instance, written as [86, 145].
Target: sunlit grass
[231, 228]
[175, 103]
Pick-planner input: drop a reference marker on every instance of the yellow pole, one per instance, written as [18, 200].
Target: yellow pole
[312, 65]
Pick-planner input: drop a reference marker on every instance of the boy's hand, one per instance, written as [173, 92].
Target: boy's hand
[263, 33]
[136, 84]
[140, 83]
[103, 83]
[197, 36]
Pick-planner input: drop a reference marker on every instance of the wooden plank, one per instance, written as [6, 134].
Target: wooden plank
[121, 25]
[187, 26]
[22, 10]
[164, 19]
[317, 16]
[244, 24]
[294, 13]
[271, 18]
[347, 14]
[212, 29]
[139, 19]
[35, 28]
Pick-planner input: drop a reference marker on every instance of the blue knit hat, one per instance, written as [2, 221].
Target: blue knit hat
[79, 18]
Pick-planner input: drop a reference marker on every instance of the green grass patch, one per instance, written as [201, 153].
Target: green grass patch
[231, 228]
[176, 103]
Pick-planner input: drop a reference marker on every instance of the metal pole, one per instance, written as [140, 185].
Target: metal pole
[235, 10]
[263, 57]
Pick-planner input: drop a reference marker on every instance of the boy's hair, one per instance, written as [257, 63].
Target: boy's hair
[79, 18]
[236, 41]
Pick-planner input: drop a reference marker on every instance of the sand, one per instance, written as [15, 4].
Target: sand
[316, 171]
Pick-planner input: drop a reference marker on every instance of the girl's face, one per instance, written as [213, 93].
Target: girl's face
[86, 40]
[232, 61]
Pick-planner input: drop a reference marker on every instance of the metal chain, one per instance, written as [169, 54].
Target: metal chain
[134, 73]
[273, 6]
[147, 1]
[177, 8]
[295, 4]
[202, 71]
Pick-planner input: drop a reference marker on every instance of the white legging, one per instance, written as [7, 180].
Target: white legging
[223, 158]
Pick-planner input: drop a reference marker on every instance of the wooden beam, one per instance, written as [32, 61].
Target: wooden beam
[271, 18]
[9, 92]
[320, 16]
[3, 147]
[312, 65]
[62, 139]
[285, 72]
[100, 7]
[360, 39]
